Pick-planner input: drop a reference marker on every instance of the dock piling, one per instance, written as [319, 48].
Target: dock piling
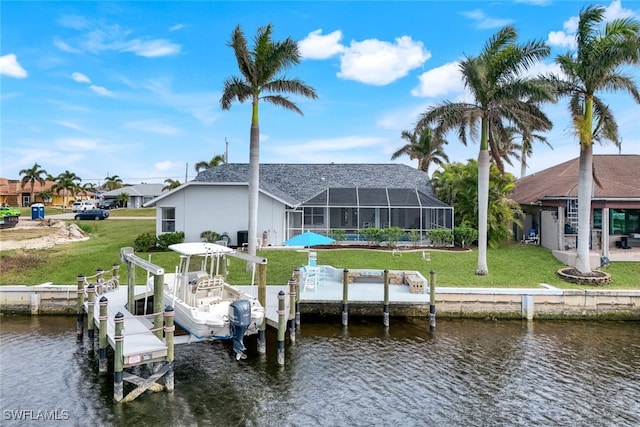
[292, 309]
[385, 319]
[102, 336]
[169, 329]
[345, 297]
[262, 299]
[296, 276]
[91, 295]
[281, 328]
[80, 308]
[432, 299]
[118, 362]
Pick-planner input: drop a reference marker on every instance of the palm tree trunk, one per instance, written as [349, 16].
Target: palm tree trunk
[523, 165]
[585, 186]
[483, 207]
[254, 180]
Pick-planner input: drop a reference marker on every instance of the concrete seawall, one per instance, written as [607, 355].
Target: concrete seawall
[450, 302]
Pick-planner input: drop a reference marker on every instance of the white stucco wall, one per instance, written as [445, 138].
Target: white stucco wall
[549, 229]
[221, 208]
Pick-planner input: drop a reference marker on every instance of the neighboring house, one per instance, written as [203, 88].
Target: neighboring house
[13, 194]
[138, 194]
[549, 199]
[302, 197]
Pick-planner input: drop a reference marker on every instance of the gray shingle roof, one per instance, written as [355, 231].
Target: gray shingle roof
[297, 183]
[144, 190]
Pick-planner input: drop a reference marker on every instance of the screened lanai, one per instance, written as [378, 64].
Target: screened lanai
[353, 209]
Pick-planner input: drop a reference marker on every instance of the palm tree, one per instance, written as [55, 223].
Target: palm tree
[66, 183]
[261, 79]
[215, 161]
[171, 184]
[31, 176]
[112, 182]
[423, 146]
[493, 78]
[597, 66]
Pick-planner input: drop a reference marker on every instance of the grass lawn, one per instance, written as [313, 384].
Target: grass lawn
[514, 265]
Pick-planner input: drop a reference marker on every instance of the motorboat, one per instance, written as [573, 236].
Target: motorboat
[204, 304]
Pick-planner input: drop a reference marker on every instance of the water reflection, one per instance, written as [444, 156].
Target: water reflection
[465, 373]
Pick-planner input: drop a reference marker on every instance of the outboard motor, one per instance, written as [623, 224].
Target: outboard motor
[240, 319]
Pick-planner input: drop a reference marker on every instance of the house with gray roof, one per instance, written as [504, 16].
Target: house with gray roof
[139, 194]
[294, 198]
[549, 199]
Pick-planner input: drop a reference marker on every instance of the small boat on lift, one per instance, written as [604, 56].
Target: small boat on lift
[205, 305]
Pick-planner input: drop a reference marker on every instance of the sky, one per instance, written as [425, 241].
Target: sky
[133, 88]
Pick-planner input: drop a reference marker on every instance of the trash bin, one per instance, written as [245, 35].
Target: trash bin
[37, 211]
[243, 237]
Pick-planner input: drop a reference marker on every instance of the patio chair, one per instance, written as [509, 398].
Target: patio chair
[310, 278]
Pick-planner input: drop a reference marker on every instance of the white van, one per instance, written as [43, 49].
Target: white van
[83, 205]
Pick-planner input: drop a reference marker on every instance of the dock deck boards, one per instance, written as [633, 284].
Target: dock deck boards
[138, 338]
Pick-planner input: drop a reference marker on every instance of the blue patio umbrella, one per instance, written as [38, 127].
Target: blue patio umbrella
[309, 238]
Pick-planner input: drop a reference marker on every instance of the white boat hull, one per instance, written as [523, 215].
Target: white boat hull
[209, 318]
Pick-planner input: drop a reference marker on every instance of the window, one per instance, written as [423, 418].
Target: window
[624, 221]
[313, 216]
[597, 219]
[168, 220]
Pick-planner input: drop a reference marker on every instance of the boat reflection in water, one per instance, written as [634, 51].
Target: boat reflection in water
[465, 373]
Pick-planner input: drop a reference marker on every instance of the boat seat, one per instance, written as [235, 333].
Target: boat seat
[208, 288]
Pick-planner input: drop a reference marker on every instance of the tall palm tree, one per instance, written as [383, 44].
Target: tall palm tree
[215, 161]
[112, 182]
[597, 66]
[31, 176]
[423, 145]
[66, 183]
[262, 79]
[494, 80]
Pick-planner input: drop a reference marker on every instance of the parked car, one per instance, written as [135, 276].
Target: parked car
[108, 204]
[7, 211]
[83, 205]
[94, 214]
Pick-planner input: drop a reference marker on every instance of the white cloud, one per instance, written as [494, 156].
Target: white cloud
[154, 126]
[168, 165]
[77, 144]
[177, 27]
[152, 48]
[440, 81]
[101, 90]
[562, 39]
[64, 46]
[379, 63]
[69, 125]
[318, 46]
[80, 78]
[9, 66]
[95, 36]
[484, 22]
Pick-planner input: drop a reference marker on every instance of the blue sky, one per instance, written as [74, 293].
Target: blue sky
[133, 88]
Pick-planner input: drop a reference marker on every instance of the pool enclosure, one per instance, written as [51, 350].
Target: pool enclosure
[353, 209]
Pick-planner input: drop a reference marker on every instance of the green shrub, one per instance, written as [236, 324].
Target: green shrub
[414, 237]
[440, 236]
[373, 235]
[464, 235]
[210, 236]
[166, 239]
[145, 242]
[338, 235]
[393, 236]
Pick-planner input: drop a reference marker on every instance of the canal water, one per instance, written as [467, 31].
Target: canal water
[466, 373]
